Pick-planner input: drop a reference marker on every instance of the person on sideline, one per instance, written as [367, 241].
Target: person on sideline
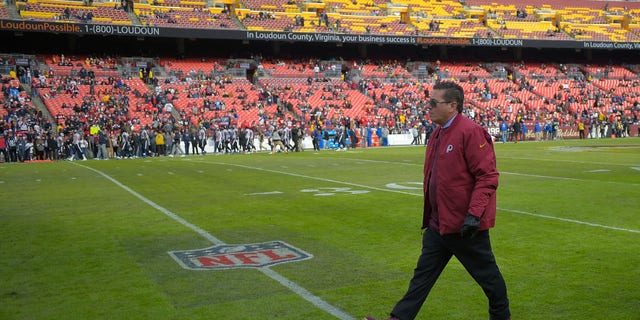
[276, 139]
[102, 146]
[317, 137]
[460, 182]
[504, 129]
[160, 151]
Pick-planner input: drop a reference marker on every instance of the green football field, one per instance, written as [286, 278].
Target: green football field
[101, 239]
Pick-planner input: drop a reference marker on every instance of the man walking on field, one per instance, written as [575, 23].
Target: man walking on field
[459, 186]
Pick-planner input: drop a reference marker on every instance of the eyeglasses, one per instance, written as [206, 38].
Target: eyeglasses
[434, 103]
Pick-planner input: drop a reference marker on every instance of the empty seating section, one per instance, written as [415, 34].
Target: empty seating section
[363, 107]
[546, 19]
[615, 86]
[593, 4]
[509, 12]
[599, 32]
[3, 11]
[275, 22]
[180, 3]
[61, 65]
[592, 24]
[608, 72]
[375, 25]
[388, 70]
[460, 71]
[544, 30]
[566, 90]
[282, 69]
[192, 67]
[184, 17]
[299, 83]
[518, 21]
[611, 79]
[281, 21]
[634, 22]
[501, 92]
[353, 7]
[587, 21]
[459, 28]
[433, 9]
[582, 15]
[73, 11]
[273, 5]
[537, 70]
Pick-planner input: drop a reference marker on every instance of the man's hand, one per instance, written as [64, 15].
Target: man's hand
[470, 226]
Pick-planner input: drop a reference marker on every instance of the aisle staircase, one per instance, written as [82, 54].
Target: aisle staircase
[12, 10]
[37, 102]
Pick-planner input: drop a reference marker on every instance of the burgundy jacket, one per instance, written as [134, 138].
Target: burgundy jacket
[467, 175]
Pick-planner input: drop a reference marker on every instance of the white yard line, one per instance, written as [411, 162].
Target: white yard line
[517, 173]
[573, 161]
[296, 288]
[567, 179]
[420, 195]
[569, 220]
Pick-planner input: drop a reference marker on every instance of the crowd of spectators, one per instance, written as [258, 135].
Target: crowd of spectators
[130, 118]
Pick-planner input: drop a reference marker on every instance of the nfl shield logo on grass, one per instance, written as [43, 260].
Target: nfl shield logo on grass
[226, 256]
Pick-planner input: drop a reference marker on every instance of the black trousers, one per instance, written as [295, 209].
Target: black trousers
[477, 258]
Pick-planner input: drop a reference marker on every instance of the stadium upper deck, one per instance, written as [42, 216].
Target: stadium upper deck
[549, 20]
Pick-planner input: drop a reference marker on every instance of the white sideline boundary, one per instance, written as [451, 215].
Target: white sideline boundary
[294, 287]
